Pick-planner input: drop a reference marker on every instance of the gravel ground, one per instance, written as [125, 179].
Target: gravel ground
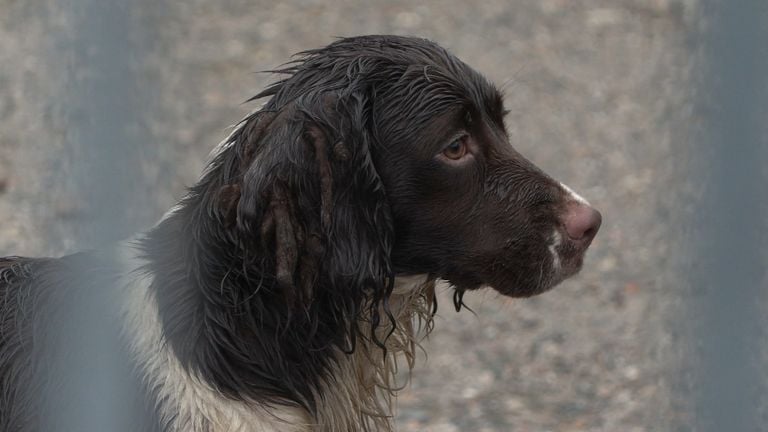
[598, 98]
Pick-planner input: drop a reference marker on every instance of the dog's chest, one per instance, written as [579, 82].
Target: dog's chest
[185, 403]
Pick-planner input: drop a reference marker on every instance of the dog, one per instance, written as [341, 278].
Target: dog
[282, 291]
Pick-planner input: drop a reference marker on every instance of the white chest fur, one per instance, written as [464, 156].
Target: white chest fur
[357, 397]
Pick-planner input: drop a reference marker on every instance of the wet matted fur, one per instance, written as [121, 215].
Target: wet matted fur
[282, 290]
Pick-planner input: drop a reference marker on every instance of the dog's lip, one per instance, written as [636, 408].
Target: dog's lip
[572, 255]
[567, 254]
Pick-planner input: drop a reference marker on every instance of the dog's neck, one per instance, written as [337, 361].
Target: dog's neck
[234, 332]
[359, 393]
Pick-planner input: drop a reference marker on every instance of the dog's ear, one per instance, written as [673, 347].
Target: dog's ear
[311, 200]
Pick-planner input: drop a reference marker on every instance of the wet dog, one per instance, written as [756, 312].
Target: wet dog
[281, 290]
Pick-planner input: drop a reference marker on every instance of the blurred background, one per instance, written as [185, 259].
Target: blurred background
[602, 96]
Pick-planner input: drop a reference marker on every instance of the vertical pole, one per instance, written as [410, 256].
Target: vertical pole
[107, 141]
[730, 224]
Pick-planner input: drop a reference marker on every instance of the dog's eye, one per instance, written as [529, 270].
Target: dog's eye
[457, 149]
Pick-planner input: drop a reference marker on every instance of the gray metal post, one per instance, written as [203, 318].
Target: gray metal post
[106, 141]
[729, 245]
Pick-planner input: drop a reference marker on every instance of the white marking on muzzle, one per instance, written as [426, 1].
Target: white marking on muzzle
[576, 197]
[557, 238]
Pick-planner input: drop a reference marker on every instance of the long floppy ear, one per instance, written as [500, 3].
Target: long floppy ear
[312, 203]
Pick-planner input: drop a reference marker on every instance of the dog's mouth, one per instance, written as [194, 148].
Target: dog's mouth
[567, 255]
[560, 256]
[566, 249]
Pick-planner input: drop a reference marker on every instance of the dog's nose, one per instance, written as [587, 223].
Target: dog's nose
[582, 222]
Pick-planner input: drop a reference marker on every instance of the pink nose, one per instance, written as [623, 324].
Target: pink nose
[582, 222]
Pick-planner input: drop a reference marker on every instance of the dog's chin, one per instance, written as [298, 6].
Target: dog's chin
[533, 288]
[507, 286]
[528, 290]
[513, 285]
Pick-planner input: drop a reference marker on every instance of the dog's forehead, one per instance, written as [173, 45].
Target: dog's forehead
[377, 62]
[425, 87]
[403, 80]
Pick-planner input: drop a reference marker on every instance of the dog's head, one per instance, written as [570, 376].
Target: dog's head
[380, 156]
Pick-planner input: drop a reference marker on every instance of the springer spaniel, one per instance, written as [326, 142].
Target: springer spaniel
[281, 291]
